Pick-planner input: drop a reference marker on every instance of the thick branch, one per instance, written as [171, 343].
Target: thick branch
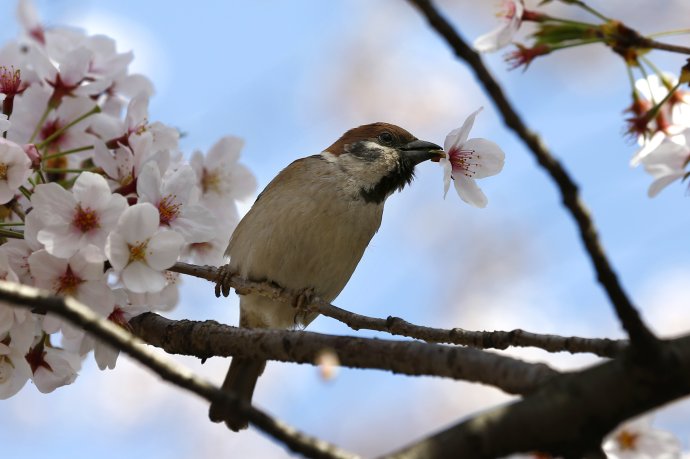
[84, 317]
[570, 415]
[206, 339]
[400, 327]
[638, 332]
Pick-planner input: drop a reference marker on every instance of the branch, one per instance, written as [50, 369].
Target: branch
[400, 327]
[646, 42]
[85, 318]
[568, 416]
[209, 338]
[640, 336]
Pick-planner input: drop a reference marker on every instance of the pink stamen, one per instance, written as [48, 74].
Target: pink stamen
[463, 161]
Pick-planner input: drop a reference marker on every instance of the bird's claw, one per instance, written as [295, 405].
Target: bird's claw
[303, 298]
[223, 280]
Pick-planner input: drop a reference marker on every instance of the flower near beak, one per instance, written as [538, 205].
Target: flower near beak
[468, 160]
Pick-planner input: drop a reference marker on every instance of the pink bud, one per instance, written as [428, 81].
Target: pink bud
[33, 154]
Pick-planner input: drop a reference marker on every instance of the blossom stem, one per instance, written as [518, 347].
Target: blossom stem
[59, 132]
[11, 234]
[60, 170]
[577, 43]
[669, 33]
[41, 176]
[589, 9]
[25, 192]
[11, 223]
[584, 25]
[657, 107]
[17, 209]
[39, 125]
[631, 78]
[656, 69]
[66, 152]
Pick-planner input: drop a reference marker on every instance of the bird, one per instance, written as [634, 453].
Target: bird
[308, 229]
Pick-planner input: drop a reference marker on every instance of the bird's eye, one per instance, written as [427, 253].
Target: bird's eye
[386, 138]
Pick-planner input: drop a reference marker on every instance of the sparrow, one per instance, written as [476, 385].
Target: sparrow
[308, 229]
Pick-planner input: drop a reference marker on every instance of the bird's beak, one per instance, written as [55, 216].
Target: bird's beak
[419, 151]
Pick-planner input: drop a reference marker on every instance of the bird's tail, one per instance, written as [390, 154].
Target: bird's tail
[240, 380]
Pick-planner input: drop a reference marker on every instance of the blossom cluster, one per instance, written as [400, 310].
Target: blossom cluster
[96, 201]
[659, 113]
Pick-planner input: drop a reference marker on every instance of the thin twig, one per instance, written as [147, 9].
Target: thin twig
[646, 42]
[85, 318]
[640, 335]
[400, 327]
[209, 338]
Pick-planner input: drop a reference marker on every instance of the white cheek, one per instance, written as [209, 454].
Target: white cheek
[367, 174]
[328, 156]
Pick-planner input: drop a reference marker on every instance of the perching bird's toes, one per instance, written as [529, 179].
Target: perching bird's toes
[223, 280]
[303, 298]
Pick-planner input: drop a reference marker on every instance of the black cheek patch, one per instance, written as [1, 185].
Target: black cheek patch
[395, 180]
[363, 151]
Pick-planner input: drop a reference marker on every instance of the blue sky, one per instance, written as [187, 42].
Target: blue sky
[290, 77]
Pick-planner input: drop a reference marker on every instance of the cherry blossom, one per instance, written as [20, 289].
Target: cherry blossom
[164, 300]
[4, 121]
[637, 439]
[667, 162]
[175, 197]
[27, 114]
[222, 179]
[15, 168]
[65, 93]
[140, 250]
[467, 160]
[14, 370]
[80, 276]
[211, 252]
[655, 88]
[122, 311]
[511, 18]
[52, 367]
[29, 19]
[68, 75]
[667, 123]
[134, 142]
[74, 219]
[18, 322]
[19, 250]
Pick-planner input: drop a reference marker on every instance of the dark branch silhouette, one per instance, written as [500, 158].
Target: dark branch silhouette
[85, 318]
[640, 335]
[400, 327]
[209, 338]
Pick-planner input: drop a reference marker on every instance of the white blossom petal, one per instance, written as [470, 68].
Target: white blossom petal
[163, 249]
[459, 136]
[117, 251]
[140, 278]
[489, 157]
[91, 190]
[469, 191]
[138, 223]
[447, 175]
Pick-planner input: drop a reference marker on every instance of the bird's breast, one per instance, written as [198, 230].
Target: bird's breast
[305, 231]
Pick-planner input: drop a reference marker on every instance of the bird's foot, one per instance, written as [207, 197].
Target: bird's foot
[223, 280]
[301, 302]
[304, 298]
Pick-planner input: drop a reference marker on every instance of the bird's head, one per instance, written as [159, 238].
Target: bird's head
[379, 158]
